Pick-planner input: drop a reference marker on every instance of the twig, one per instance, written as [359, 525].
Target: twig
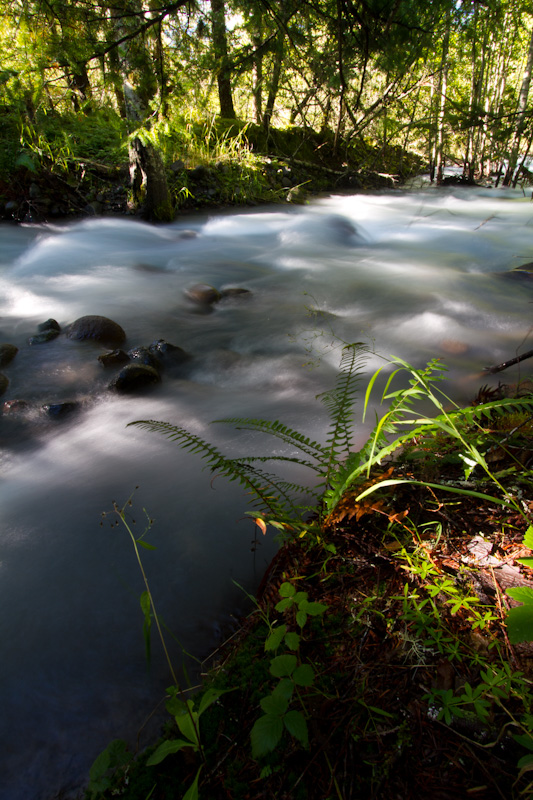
[505, 364]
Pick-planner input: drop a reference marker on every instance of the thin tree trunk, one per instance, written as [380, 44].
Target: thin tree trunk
[521, 115]
[220, 46]
[274, 83]
[442, 101]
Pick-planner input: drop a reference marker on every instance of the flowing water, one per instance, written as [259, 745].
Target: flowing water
[415, 274]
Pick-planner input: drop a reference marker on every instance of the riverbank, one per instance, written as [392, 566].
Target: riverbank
[225, 164]
[379, 661]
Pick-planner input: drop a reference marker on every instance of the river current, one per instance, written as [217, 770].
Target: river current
[417, 274]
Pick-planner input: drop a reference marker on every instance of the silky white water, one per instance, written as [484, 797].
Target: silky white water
[417, 275]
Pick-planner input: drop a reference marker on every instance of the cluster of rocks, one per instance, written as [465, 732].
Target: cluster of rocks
[136, 369]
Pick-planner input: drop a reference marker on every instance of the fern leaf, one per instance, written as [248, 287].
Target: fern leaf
[288, 435]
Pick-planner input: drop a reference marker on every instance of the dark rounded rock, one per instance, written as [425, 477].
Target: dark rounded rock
[4, 383]
[99, 329]
[202, 294]
[49, 325]
[60, 410]
[168, 354]
[135, 377]
[45, 336]
[7, 353]
[142, 355]
[113, 358]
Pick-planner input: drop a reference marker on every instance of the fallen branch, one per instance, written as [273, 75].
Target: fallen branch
[505, 364]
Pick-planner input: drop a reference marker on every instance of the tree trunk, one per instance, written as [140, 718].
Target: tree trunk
[151, 195]
[442, 100]
[223, 70]
[274, 83]
[521, 116]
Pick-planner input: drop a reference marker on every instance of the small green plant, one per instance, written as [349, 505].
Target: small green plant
[293, 675]
[185, 711]
[520, 618]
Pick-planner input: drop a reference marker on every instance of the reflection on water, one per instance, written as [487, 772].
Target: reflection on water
[415, 275]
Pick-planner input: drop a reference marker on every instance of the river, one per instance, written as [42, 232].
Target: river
[416, 274]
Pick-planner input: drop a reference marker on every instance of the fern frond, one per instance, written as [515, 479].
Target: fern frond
[340, 405]
[268, 491]
[277, 429]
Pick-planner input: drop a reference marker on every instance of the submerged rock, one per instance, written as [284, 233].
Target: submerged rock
[135, 377]
[49, 325]
[99, 329]
[4, 383]
[203, 294]
[60, 410]
[168, 354]
[113, 358]
[44, 336]
[7, 353]
[142, 355]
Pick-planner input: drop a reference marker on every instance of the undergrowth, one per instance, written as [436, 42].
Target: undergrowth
[380, 660]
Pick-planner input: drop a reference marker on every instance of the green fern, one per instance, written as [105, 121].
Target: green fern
[336, 468]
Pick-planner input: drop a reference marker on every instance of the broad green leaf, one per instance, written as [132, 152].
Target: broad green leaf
[166, 749]
[284, 604]
[284, 665]
[304, 675]
[274, 704]
[287, 590]
[274, 640]
[209, 697]
[292, 640]
[524, 594]
[527, 562]
[192, 791]
[313, 609]
[520, 624]
[265, 734]
[295, 723]
[528, 537]
[285, 688]
[300, 597]
[525, 740]
[301, 618]
[187, 722]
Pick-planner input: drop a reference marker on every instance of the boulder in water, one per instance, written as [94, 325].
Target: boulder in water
[142, 355]
[202, 294]
[99, 329]
[61, 410]
[7, 353]
[49, 325]
[113, 358]
[168, 354]
[4, 383]
[44, 336]
[134, 378]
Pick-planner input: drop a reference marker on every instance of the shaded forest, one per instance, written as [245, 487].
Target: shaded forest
[87, 88]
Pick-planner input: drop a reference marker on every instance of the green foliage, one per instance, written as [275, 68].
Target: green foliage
[101, 774]
[520, 618]
[293, 674]
[336, 467]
